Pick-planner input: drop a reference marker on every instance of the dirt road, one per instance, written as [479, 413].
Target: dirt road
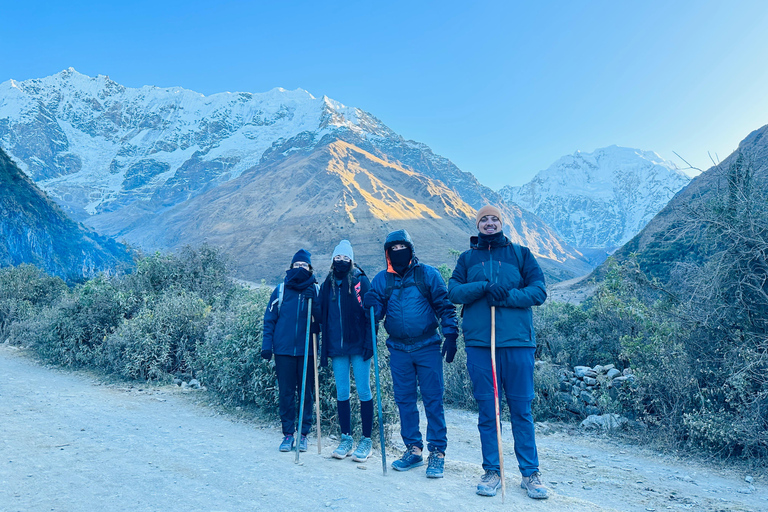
[69, 442]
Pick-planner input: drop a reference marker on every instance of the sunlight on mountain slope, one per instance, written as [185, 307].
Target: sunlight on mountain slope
[384, 202]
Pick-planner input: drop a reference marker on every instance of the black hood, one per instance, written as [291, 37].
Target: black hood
[400, 236]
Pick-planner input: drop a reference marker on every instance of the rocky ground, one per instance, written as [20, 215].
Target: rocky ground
[73, 442]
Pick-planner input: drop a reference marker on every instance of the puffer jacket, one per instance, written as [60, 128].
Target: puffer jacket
[497, 263]
[285, 330]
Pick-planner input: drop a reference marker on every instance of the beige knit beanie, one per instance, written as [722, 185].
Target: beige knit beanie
[488, 210]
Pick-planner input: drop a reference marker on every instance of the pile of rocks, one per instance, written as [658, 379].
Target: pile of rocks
[580, 388]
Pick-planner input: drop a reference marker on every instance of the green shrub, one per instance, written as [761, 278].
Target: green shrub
[78, 323]
[160, 340]
[24, 290]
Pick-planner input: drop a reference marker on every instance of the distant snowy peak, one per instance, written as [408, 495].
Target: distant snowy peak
[95, 145]
[600, 199]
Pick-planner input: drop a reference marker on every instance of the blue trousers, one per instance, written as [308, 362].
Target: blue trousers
[420, 370]
[514, 373]
[362, 371]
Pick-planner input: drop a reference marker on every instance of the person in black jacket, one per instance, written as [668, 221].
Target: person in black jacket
[285, 330]
[496, 272]
[412, 298]
[347, 341]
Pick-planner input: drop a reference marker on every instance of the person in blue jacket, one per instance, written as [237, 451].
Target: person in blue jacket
[412, 298]
[495, 272]
[347, 341]
[285, 329]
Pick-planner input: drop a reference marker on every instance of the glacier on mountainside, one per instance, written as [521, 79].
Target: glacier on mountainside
[600, 200]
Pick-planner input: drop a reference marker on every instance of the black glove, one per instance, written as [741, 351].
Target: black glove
[449, 347]
[496, 291]
[367, 353]
[369, 301]
[266, 354]
[309, 292]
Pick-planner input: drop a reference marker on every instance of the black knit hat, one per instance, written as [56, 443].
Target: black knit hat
[400, 236]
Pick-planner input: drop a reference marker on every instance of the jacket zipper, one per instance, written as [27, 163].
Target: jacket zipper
[298, 319]
[341, 322]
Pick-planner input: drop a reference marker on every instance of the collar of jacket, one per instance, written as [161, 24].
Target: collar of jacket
[414, 262]
[475, 242]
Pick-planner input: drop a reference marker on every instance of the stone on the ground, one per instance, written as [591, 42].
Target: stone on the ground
[581, 371]
[604, 422]
[613, 373]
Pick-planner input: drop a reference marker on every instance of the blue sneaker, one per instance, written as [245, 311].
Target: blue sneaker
[287, 444]
[346, 446]
[363, 450]
[303, 443]
[435, 465]
[410, 459]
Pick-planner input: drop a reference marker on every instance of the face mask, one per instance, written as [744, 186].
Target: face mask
[400, 259]
[341, 268]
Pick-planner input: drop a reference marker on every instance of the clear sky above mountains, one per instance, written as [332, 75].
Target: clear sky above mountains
[503, 89]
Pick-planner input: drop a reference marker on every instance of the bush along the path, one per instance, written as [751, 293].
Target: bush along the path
[176, 317]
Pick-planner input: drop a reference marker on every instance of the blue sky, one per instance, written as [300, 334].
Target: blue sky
[503, 89]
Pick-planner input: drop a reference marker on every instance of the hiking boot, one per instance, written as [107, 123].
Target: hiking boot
[535, 488]
[303, 443]
[345, 447]
[363, 450]
[411, 459]
[287, 444]
[490, 482]
[435, 465]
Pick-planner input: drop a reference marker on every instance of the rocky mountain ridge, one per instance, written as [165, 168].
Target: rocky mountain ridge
[34, 230]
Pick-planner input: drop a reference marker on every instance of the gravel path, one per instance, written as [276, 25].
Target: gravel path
[69, 442]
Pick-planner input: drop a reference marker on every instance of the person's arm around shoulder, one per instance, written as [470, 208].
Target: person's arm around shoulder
[534, 290]
[459, 290]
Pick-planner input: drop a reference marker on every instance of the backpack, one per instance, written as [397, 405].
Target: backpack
[279, 300]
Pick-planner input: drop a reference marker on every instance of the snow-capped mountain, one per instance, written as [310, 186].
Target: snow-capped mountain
[116, 157]
[600, 200]
[95, 145]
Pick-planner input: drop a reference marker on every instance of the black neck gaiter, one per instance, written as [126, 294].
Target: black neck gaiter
[400, 260]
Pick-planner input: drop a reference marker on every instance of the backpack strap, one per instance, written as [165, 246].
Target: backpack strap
[519, 255]
[281, 292]
[418, 282]
[279, 300]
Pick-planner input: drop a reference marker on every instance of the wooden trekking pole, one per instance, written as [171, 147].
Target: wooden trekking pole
[496, 401]
[378, 393]
[317, 394]
[304, 377]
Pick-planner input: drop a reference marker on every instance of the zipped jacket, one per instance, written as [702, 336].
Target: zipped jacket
[345, 325]
[285, 327]
[410, 318]
[484, 263]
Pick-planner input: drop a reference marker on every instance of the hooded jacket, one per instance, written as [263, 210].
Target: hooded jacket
[410, 318]
[496, 262]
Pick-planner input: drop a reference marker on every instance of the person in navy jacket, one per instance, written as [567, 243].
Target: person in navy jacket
[495, 272]
[347, 341]
[285, 329]
[413, 300]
